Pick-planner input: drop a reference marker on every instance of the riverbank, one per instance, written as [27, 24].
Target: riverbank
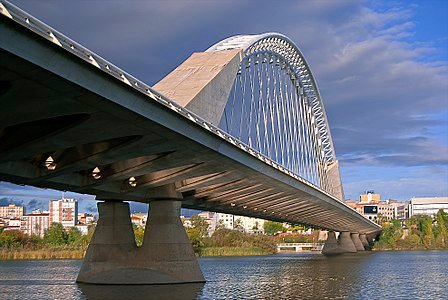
[48, 253]
[60, 252]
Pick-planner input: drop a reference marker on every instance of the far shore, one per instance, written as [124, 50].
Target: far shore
[76, 253]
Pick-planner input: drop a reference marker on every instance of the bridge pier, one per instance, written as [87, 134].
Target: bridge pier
[165, 257]
[331, 246]
[357, 242]
[344, 244]
[364, 241]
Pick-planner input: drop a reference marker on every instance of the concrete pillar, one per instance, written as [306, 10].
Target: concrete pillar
[364, 241]
[112, 246]
[346, 243]
[165, 257]
[357, 242]
[166, 249]
[331, 246]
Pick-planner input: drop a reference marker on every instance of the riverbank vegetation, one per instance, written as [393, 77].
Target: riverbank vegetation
[419, 233]
[56, 243]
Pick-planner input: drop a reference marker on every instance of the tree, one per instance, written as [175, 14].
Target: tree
[199, 224]
[238, 225]
[255, 227]
[12, 238]
[425, 227]
[196, 239]
[55, 235]
[220, 225]
[139, 234]
[272, 228]
[441, 231]
[74, 236]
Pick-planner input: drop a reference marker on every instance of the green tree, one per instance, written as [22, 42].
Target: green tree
[74, 236]
[426, 233]
[12, 238]
[139, 234]
[272, 228]
[200, 224]
[196, 239]
[55, 235]
[440, 230]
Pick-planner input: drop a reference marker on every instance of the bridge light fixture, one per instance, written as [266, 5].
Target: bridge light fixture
[132, 182]
[96, 173]
[50, 164]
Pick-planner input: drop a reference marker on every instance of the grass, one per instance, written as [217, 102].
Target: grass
[67, 252]
[55, 252]
[233, 251]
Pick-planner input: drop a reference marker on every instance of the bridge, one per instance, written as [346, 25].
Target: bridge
[299, 247]
[240, 128]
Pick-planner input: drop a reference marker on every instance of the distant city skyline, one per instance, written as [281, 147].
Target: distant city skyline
[381, 68]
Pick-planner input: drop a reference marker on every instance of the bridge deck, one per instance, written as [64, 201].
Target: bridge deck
[56, 104]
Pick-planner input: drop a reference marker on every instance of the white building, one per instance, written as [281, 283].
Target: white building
[246, 224]
[224, 220]
[427, 206]
[35, 224]
[64, 211]
[83, 228]
[12, 211]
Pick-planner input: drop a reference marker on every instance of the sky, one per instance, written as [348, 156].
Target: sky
[381, 68]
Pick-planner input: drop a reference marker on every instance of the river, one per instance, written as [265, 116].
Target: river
[370, 275]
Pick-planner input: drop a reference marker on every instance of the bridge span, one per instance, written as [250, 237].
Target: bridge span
[240, 129]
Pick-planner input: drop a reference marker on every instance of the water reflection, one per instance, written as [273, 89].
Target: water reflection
[370, 275]
[289, 276]
[162, 292]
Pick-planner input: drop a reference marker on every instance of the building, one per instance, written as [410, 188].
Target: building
[400, 209]
[371, 206]
[427, 206]
[245, 224]
[223, 220]
[64, 211]
[83, 228]
[12, 211]
[139, 219]
[369, 197]
[86, 218]
[35, 223]
[249, 225]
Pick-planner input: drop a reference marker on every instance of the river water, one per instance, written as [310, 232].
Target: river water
[370, 275]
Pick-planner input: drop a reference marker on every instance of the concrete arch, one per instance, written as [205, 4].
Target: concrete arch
[204, 81]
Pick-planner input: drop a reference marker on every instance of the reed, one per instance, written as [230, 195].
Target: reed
[57, 252]
[234, 251]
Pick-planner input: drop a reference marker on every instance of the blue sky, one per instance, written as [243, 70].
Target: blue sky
[381, 67]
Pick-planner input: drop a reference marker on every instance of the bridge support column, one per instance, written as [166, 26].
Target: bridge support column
[357, 242]
[364, 241]
[331, 246]
[165, 257]
[166, 249]
[112, 247]
[346, 243]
